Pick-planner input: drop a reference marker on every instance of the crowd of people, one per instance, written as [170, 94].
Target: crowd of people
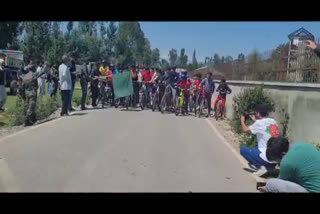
[299, 162]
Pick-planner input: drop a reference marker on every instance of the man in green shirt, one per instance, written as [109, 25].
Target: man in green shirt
[299, 166]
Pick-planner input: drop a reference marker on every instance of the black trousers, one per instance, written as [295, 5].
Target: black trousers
[95, 94]
[136, 92]
[65, 97]
[112, 92]
[84, 89]
[208, 96]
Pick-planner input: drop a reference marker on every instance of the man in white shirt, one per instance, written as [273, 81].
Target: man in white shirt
[41, 80]
[3, 93]
[264, 128]
[65, 85]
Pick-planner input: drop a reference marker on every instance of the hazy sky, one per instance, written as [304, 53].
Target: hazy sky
[224, 38]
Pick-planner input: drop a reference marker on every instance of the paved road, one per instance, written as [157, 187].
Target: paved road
[121, 151]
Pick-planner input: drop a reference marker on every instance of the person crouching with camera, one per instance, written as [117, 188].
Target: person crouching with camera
[263, 128]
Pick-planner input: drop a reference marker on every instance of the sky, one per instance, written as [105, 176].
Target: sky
[224, 38]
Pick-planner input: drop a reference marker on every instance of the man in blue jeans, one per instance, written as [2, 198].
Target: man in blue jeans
[264, 128]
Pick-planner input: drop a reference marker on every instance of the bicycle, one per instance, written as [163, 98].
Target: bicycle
[142, 96]
[157, 96]
[180, 105]
[167, 100]
[219, 111]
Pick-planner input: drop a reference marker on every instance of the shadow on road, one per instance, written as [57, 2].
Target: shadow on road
[78, 114]
[134, 110]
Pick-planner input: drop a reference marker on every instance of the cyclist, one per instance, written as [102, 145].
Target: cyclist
[161, 84]
[135, 84]
[103, 68]
[198, 90]
[208, 90]
[223, 90]
[184, 84]
[147, 76]
[110, 73]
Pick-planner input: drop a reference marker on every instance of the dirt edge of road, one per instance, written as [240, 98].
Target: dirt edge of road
[230, 138]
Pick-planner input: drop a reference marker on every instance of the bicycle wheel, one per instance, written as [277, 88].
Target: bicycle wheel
[154, 102]
[201, 107]
[218, 110]
[117, 103]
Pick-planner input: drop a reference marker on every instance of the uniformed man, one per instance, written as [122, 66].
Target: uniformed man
[30, 88]
[84, 76]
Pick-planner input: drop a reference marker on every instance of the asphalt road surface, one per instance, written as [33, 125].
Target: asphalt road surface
[112, 150]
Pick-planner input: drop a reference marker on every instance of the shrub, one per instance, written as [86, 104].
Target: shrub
[45, 106]
[17, 114]
[76, 100]
[285, 123]
[243, 104]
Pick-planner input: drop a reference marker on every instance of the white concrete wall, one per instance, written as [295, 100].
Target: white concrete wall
[301, 101]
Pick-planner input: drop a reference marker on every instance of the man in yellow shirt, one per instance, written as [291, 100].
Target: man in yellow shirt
[104, 68]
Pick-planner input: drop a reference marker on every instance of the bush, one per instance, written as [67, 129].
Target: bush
[243, 104]
[76, 100]
[285, 123]
[17, 114]
[45, 106]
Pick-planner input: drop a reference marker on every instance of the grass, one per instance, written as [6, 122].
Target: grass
[5, 117]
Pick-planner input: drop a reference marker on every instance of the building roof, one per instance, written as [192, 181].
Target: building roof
[301, 34]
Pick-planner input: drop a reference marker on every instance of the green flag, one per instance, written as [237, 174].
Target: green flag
[122, 84]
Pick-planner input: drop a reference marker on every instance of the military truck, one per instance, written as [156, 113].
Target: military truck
[12, 61]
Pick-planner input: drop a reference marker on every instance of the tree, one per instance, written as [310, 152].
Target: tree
[216, 59]
[241, 58]
[131, 45]
[103, 30]
[37, 40]
[183, 59]
[155, 57]
[222, 60]
[69, 27]
[228, 60]
[8, 34]
[57, 48]
[111, 39]
[164, 64]
[253, 59]
[194, 59]
[173, 56]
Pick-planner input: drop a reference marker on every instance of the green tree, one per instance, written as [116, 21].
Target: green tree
[69, 26]
[37, 40]
[241, 58]
[222, 60]
[173, 57]
[183, 59]
[164, 64]
[194, 59]
[57, 48]
[111, 39]
[103, 30]
[254, 58]
[155, 57]
[9, 31]
[216, 59]
[228, 60]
